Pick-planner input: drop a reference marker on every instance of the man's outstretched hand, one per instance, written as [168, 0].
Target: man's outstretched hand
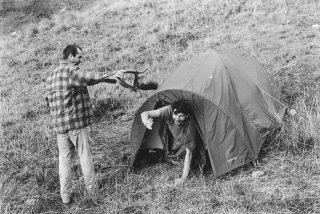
[119, 74]
[115, 76]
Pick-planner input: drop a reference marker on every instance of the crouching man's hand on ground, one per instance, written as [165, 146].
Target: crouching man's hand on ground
[180, 181]
[186, 168]
[172, 162]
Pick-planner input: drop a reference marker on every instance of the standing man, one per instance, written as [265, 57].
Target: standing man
[176, 119]
[68, 98]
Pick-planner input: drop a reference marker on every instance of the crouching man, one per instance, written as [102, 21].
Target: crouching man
[68, 98]
[175, 124]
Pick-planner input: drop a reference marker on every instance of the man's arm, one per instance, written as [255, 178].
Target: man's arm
[82, 78]
[146, 117]
[186, 168]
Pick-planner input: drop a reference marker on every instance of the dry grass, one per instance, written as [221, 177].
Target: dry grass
[158, 35]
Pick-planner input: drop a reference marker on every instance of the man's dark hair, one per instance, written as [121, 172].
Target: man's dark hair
[70, 49]
[181, 106]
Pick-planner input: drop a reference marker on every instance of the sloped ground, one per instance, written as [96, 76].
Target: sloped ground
[157, 35]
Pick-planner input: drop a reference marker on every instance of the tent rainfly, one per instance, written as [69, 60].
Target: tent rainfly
[233, 102]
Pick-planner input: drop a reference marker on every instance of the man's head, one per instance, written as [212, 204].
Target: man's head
[73, 54]
[181, 111]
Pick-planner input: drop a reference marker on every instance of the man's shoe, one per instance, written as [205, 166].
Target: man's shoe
[67, 201]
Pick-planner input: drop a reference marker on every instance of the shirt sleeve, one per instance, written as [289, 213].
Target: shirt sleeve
[191, 145]
[82, 78]
[165, 112]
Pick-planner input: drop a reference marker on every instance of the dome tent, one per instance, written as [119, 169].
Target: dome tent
[233, 105]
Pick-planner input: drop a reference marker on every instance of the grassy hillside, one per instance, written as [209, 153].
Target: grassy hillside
[158, 35]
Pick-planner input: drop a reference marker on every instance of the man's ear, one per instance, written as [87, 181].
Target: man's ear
[70, 57]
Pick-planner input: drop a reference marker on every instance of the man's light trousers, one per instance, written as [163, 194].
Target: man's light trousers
[68, 143]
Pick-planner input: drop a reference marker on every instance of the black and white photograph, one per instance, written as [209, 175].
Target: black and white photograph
[159, 106]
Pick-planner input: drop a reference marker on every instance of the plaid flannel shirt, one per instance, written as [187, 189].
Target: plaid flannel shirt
[68, 97]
